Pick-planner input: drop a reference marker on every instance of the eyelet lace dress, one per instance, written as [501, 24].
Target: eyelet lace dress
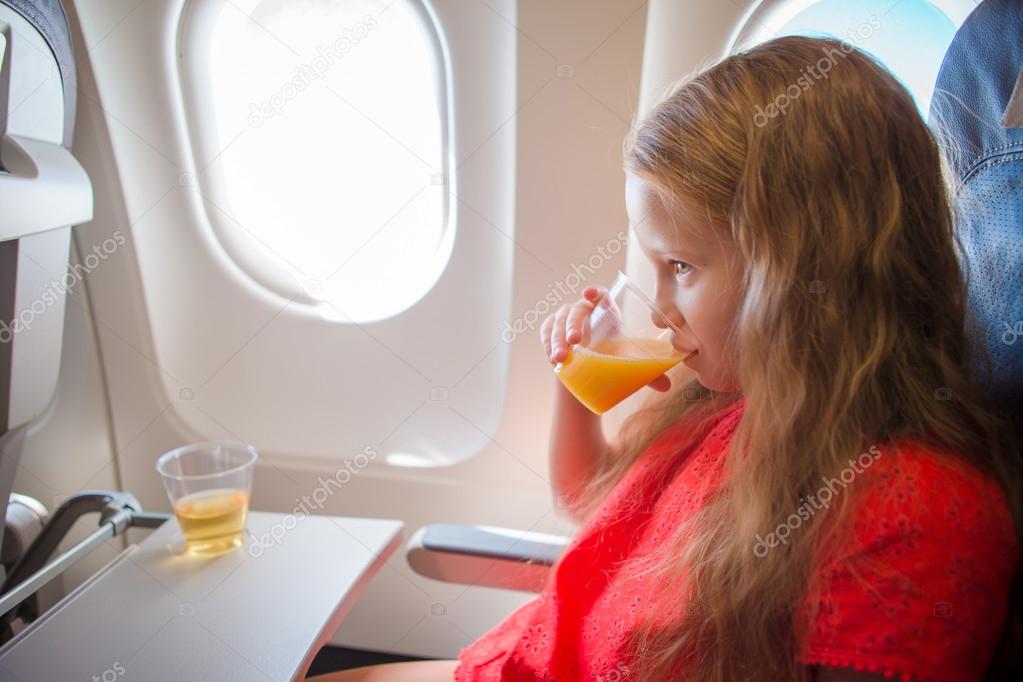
[941, 531]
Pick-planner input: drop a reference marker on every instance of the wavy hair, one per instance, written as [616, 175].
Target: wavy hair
[854, 315]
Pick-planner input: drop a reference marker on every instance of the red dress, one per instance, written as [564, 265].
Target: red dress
[941, 609]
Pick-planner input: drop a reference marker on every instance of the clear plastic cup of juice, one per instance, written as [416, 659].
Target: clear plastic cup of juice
[624, 351]
[209, 485]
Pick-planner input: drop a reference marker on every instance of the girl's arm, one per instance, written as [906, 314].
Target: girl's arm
[577, 447]
[577, 451]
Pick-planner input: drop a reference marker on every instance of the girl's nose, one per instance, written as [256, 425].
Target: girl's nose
[658, 319]
[666, 306]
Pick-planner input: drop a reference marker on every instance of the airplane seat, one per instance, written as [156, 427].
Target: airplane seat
[43, 192]
[979, 99]
[977, 116]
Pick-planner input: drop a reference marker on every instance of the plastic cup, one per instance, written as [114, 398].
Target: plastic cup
[209, 485]
[625, 349]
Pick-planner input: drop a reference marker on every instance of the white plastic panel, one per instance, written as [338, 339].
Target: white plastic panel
[38, 323]
[575, 66]
[36, 103]
[306, 385]
[42, 190]
[68, 447]
[44, 187]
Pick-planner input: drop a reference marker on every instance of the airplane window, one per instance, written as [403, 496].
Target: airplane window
[329, 168]
[909, 36]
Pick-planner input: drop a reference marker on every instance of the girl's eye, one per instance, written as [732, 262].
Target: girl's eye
[680, 267]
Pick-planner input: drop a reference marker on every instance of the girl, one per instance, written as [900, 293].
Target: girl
[827, 495]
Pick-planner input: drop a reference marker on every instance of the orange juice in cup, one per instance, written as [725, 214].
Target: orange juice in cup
[619, 356]
[603, 376]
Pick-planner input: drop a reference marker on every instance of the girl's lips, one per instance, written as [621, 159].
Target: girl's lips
[689, 356]
[686, 354]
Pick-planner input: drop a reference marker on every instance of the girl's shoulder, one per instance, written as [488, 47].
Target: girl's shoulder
[921, 586]
[910, 482]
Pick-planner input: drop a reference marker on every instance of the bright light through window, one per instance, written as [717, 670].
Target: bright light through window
[330, 120]
[910, 37]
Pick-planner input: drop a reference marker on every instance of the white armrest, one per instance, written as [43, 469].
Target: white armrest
[43, 187]
[484, 555]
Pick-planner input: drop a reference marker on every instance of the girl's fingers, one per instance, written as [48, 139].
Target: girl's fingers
[545, 334]
[569, 325]
[577, 317]
[661, 383]
[558, 346]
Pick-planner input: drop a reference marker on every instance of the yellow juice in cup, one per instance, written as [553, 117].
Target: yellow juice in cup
[212, 521]
[603, 376]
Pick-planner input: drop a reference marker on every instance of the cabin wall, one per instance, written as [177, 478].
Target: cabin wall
[578, 84]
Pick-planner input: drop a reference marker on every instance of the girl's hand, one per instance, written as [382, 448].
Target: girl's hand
[570, 324]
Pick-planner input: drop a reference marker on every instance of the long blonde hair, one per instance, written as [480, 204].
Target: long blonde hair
[853, 331]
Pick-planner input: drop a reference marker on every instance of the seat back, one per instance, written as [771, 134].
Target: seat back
[977, 116]
[983, 136]
[43, 190]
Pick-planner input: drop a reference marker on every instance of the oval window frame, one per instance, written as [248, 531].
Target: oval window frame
[770, 13]
[236, 249]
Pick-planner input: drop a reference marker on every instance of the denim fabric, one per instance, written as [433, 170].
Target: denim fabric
[973, 89]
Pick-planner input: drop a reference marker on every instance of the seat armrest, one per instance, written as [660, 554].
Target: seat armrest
[486, 556]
